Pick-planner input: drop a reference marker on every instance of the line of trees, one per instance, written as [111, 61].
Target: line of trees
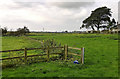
[100, 18]
[19, 32]
[3, 30]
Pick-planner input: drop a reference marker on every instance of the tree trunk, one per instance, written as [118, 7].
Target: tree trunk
[92, 28]
[98, 27]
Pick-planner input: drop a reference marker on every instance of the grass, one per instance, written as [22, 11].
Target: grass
[10, 42]
[101, 56]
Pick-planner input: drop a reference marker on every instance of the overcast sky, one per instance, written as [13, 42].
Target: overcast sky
[52, 15]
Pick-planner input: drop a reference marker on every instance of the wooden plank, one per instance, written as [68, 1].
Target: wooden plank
[23, 56]
[66, 52]
[42, 48]
[74, 48]
[34, 48]
[36, 55]
[28, 49]
[12, 50]
[74, 54]
[55, 53]
[25, 51]
[55, 47]
[47, 51]
[82, 55]
[12, 58]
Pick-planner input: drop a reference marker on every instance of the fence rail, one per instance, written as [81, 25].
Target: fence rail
[28, 49]
[47, 53]
[74, 48]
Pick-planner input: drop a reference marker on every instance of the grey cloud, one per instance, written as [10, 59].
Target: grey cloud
[68, 5]
[119, 12]
[27, 4]
[72, 5]
[58, 4]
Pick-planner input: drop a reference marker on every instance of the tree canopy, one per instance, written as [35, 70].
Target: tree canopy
[3, 30]
[99, 18]
[19, 32]
[22, 31]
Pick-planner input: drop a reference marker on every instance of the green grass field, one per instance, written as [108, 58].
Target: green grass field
[101, 56]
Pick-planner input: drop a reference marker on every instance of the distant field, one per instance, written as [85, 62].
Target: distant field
[101, 56]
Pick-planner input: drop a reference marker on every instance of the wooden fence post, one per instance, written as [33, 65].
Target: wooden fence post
[48, 53]
[25, 57]
[66, 51]
[82, 55]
